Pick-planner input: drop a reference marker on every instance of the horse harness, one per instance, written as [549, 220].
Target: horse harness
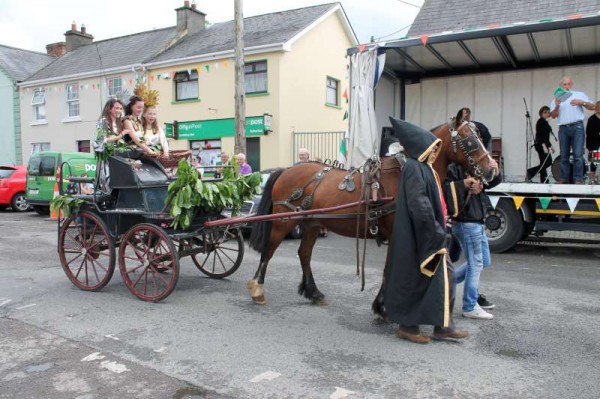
[468, 145]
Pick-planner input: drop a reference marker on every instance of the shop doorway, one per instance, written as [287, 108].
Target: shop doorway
[253, 152]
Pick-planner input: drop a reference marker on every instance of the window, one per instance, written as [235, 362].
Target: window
[255, 77]
[39, 147]
[114, 86]
[332, 92]
[186, 85]
[38, 102]
[72, 91]
[83, 146]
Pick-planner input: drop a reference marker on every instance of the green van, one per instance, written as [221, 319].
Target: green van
[42, 173]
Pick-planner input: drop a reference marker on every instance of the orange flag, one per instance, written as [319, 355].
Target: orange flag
[424, 39]
[362, 47]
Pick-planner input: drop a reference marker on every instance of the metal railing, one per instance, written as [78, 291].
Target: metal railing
[323, 145]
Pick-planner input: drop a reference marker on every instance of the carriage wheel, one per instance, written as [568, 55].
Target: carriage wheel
[86, 251]
[224, 253]
[148, 262]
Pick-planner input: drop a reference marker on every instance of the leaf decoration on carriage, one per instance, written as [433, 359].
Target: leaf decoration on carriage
[67, 204]
[188, 195]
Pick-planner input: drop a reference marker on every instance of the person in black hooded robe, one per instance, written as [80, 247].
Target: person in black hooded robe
[420, 280]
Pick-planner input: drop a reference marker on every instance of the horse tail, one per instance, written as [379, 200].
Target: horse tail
[261, 231]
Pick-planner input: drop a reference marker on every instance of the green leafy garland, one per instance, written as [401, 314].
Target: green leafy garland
[188, 193]
[67, 203]
[110, 148]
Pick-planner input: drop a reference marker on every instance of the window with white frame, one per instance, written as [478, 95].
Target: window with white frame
[72, 92]
[83, 145]
[186, 85]
[332, 96]
[255, 77]
[39, 147]
[38, 103]
[114, 86]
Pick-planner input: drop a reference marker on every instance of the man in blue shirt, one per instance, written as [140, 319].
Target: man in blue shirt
[571, 135]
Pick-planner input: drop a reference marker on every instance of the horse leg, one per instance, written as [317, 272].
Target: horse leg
[378, 306]
[255, 286]
[308, 287]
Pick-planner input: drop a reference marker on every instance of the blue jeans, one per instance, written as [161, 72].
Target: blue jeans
[477, 253]
[571, 138]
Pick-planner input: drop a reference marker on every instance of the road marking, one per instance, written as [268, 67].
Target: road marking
[267, 375]
[114, 367]
[340, 393]
[92, 357]
[161, 349]
[4, 301]
[26, 306]
[112, 337]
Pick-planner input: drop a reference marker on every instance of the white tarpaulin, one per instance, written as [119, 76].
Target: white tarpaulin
[364, 139]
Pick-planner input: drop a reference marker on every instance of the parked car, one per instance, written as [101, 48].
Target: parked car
[13, 180]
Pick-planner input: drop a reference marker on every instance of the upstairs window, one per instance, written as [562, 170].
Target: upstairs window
[72, 92]
[186, 85]
[114, 86]
[38, 103]
[332, 95]
[255, 77]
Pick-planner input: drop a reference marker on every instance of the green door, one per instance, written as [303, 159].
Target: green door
[253, 152]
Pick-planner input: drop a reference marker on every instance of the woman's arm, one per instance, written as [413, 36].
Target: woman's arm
[128, 128]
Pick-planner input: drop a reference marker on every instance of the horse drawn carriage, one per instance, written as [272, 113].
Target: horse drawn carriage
[133, 224]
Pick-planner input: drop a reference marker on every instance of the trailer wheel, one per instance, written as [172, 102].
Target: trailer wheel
[504, 226]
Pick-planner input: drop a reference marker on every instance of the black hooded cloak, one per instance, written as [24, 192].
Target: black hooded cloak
[417, 287]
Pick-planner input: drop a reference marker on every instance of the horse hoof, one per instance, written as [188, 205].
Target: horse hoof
[320, 302]
[259, 300]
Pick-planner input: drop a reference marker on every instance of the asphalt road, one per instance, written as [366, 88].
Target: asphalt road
[209, 340]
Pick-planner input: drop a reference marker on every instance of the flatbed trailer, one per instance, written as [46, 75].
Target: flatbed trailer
[521, 209]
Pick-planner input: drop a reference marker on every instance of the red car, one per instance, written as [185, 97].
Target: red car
[13, 180]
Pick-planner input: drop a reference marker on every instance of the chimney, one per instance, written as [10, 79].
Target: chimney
[189, 19]
[75, 39]
[56, 49]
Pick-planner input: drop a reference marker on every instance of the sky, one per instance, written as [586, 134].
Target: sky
[32, 24]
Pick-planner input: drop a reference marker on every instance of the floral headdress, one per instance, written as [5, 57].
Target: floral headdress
[149, 96]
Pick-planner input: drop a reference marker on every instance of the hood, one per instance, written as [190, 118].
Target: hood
[417, 142]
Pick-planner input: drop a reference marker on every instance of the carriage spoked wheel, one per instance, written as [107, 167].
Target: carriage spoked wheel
[148, 262]
[87, 251]
[224, 251]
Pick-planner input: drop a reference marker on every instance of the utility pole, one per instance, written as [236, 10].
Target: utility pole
[240, 111]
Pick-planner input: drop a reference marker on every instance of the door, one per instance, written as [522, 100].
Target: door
[253, 152]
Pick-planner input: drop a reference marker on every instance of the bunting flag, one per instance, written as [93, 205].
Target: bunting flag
[518, 201]
[572, 203]
[216, 66]
[345, 115]
[545, 201]
[598, 203]
[152, 78]
[207, 67]
[494, 200]
[362, 47]
[424, 39]
[225, 63]
[345, 94]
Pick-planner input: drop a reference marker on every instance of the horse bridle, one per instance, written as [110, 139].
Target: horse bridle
[468, 146]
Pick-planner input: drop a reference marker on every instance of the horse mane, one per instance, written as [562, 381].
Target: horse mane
[261, 231]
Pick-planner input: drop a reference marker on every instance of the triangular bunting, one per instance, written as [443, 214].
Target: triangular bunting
[225, 63]
[346, 117]
[518, 201]
[545, 201]
[424, 39]
[207, 67]
[494, 200]
[572, 203]
[217, 66]
[598, 203]
[152, 78]
[362, 47]
[345, 94]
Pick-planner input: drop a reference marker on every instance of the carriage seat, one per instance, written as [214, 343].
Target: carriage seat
[142, 172]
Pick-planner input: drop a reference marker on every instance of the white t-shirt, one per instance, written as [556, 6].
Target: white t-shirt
[568, 113]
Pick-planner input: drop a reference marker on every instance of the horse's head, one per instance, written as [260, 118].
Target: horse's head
[462, 144]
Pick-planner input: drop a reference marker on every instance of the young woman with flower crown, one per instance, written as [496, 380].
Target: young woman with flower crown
[132, 124]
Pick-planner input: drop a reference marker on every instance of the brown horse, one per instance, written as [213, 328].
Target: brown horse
[315, 186]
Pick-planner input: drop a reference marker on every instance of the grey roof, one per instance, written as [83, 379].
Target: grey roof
[437, 16]
[154, 45]
[20, 64]
[266, 29]
[110, 53]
